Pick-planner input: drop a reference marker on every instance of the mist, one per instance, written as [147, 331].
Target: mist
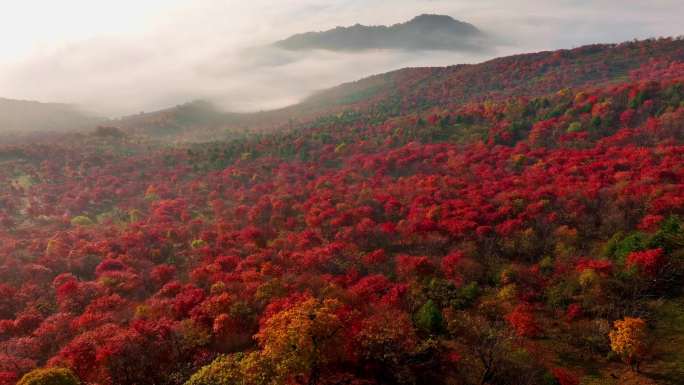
[160, 54]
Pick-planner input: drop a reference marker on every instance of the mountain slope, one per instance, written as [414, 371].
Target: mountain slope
[419, 89]
[496, 241]
[424, 32]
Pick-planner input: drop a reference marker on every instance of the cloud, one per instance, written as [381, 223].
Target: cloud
[216, 49]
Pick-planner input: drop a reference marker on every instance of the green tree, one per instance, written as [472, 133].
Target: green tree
[429, 318]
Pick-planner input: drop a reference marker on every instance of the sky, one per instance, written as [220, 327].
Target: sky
[127, 56]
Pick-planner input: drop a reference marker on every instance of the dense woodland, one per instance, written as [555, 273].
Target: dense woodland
[516, 222]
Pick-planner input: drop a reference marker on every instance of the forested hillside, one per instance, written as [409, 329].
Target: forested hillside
[515, 222]
[418, 89]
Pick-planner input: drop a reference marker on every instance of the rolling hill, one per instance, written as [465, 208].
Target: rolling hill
[20, 116]
[420, 89]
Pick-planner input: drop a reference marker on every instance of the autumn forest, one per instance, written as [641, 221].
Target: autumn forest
[515, 222]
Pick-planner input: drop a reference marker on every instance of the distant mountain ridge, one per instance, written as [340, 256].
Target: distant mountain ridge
[30, 116]
[424, 32]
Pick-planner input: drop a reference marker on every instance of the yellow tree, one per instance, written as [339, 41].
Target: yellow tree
[49, 376]
[234, 369]
[224, 370]
[628, 339]
[301, 340]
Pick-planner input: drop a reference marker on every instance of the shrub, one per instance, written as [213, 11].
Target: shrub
[49, 376]
[575, 127]
[81, 220]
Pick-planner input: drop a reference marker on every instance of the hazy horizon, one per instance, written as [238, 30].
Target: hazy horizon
[128, 57]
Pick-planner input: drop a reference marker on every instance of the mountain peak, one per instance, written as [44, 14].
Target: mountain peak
[423, 32]
[431, 18]
[442, 23]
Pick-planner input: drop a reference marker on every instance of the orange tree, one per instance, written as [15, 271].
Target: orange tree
[628, 339]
